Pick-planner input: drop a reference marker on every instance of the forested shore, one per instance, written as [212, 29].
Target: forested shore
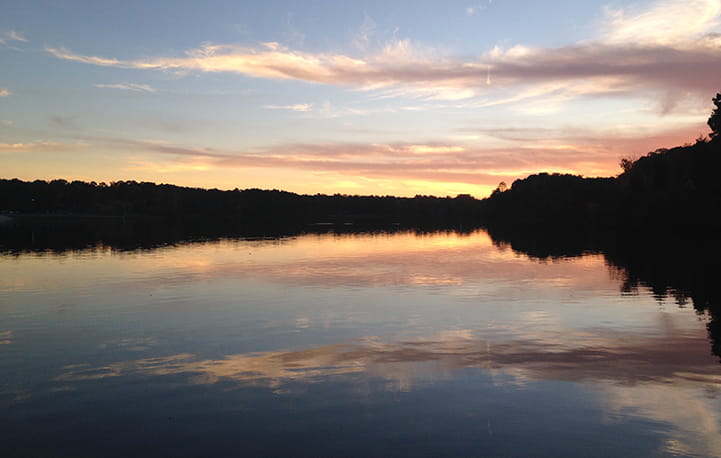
[665, 190]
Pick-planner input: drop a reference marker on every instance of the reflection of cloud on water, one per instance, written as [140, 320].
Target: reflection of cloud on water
[6, 337]
[616, 357]
[130, 344]
[669, 379]
[303, 323]
[693, 413]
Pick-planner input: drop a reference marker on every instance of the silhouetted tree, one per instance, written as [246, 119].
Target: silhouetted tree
[626, 163]
[502, 187]
[714, 122]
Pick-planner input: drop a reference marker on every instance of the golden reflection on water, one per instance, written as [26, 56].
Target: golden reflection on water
[327, 260]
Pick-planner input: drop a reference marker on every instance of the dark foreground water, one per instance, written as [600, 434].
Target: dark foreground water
[402, 344]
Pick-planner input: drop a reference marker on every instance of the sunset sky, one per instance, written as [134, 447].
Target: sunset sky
[364, 97]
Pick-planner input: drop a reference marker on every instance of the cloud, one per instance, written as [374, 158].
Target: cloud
[15, 36]
[128, 87]
[473, 10]
[327, 110]
[484, 156]
[40, 146]
[4, 92]
[12, 36]
[302, 107]
[518, 152]
[570, 150]
[363, 36]
[630, 137]
[440, 163]
[603, 68]
[64, 54]
[432, 161]
[636, 51]
[667, 22]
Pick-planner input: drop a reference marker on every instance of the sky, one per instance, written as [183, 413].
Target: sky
[364, 97]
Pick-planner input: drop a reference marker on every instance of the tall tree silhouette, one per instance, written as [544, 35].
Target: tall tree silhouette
[714, 121]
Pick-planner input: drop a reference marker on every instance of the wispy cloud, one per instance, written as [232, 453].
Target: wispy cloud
[363, 37]
[473, 10]
[327, 110]
[65, 54]
[302, 107]
[432, 162]
[4, 92]
[635, 51]
[12, 36]
[128, 87]
[15, 36]
[667, 22]
[470, 163]
[40, 146]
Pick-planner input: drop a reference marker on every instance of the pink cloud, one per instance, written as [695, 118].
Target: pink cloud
[399, 69]
[580, 153]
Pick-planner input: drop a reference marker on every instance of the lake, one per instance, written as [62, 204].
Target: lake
[369, 344]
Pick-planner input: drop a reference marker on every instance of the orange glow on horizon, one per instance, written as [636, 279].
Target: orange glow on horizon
[378, 175]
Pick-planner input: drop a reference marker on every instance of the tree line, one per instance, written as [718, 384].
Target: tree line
[667, 189]
[130, 199]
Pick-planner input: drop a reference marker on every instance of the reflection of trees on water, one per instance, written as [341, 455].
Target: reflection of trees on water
[677, 267]
[681, 268]
[58, 235]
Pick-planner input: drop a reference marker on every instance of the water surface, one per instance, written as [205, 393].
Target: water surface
[386, 344]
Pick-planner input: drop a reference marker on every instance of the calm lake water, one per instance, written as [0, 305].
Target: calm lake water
[402, 344]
